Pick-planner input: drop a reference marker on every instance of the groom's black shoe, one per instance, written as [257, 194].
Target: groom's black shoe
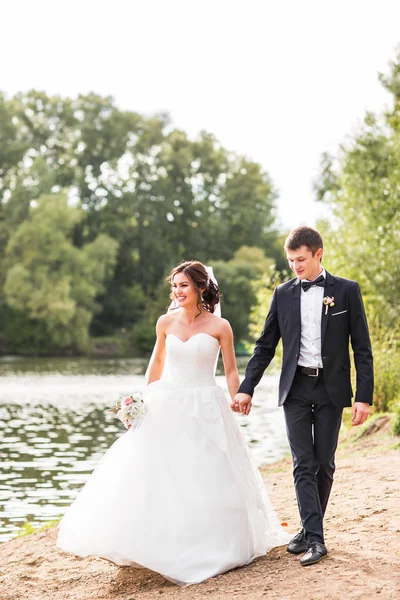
[315, 552]
[298, 544]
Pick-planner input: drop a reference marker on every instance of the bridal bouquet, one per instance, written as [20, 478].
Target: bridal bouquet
[130, 410]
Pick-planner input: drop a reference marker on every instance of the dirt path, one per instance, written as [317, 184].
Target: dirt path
[362, 535]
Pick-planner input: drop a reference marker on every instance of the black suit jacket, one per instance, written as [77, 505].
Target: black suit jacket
[341, 323]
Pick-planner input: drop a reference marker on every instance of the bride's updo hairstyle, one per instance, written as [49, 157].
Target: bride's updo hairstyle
[197, 273]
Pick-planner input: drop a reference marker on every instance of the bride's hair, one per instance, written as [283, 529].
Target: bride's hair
[198, 275]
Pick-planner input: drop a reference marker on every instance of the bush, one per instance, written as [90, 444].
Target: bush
[396, 421]
[386, 350]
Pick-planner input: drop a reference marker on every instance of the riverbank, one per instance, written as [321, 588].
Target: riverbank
[362, 533]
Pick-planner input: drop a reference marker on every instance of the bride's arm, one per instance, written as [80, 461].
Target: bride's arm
[229, 359]
[158, 358]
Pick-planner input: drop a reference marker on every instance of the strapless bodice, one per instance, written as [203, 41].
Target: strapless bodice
[191, 364]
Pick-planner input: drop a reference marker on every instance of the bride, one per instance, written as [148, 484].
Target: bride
[179, 494]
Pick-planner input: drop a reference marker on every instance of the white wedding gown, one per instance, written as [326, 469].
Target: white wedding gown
[178, 494]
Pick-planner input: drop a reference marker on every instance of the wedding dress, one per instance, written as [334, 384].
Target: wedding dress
[179, 494]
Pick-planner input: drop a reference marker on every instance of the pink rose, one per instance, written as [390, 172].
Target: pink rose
[328, 301]
[128, 401]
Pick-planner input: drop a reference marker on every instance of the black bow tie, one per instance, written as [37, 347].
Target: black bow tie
[320, 281]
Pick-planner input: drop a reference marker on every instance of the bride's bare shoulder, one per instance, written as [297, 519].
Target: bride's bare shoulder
[162, 323]
[222, 324]
[168, 318]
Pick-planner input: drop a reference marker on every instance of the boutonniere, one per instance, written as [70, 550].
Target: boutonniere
[328, 301]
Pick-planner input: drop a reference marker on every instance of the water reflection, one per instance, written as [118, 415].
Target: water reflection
[46, 456]
[54, 427]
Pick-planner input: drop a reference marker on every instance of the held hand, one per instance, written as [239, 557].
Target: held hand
[242, 403]
[235, 405]
[360, 413]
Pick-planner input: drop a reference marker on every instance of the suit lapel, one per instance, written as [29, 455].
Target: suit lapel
[328, 291]
[296, 289]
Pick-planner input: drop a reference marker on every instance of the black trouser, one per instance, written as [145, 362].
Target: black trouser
[312, 425]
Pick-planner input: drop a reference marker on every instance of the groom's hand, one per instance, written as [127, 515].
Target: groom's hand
[242, 403]
[360, 413]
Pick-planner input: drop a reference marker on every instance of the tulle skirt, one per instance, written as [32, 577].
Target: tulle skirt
[178, 495]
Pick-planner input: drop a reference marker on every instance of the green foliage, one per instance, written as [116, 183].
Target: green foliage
[52, 283]
[28, 528]
[248, 219]
[144, 330]
[121, 306]
[237, 279]
[21, 335]
[362, 187]
[264, 289]
[386, 350]
[260, 309]
[117, 346]
[396, 420]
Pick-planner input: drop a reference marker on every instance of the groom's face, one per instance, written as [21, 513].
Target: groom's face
[304, 263]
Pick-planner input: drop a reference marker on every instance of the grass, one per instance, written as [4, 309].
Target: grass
[396, 420]
[375, 416]
[346, 421]
[28, 528]
[375, 435]
[362, 430]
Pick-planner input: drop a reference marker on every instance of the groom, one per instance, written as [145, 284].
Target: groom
[316, 315]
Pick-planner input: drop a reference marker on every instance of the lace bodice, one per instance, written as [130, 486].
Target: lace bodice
[191, 364]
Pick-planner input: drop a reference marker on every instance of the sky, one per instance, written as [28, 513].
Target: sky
[280, 81]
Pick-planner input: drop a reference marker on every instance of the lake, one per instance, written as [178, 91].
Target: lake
[55, 425]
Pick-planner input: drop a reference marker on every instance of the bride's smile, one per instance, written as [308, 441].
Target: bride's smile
[184, 291]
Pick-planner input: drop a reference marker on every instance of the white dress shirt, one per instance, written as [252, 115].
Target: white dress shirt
[311, 311]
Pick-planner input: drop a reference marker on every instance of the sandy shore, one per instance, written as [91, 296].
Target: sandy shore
[362, 535]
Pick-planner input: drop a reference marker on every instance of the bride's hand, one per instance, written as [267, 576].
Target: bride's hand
[243, 401]
[235, 406]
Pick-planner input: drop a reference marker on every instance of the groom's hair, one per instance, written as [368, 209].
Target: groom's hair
[304, 236]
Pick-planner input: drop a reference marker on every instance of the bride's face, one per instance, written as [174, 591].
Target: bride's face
[184, 291]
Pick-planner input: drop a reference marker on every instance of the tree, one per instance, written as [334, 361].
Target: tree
[362, 186]
[50, 283]
[238, 280]
[159, 195]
